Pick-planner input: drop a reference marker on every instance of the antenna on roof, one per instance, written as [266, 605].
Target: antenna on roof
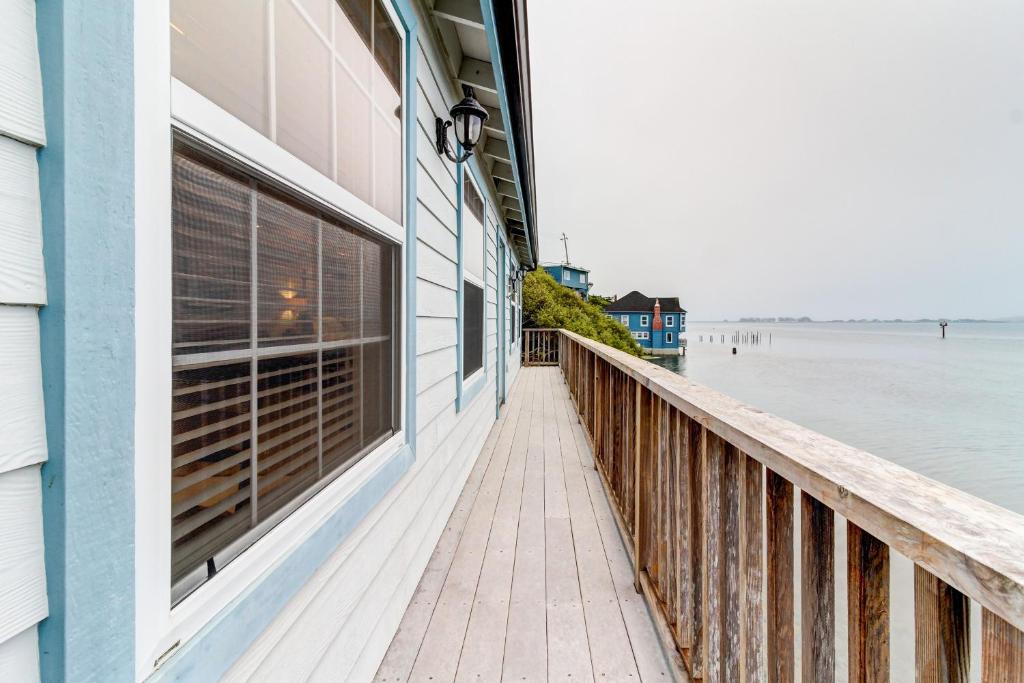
[565, 243]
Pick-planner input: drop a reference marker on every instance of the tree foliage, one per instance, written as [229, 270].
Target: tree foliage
[600, 301]
[548, 304]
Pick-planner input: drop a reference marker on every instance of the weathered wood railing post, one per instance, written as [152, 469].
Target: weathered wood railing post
[703, 489]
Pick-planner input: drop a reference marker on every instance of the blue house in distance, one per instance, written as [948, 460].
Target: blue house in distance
[656, 323]
[573, 277]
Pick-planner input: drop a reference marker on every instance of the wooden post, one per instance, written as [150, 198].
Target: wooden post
[698, 465]
[752, 549]
[712, 575]
[817, 613]
[730, 552]
[637, 532]
[779, 576]
[942, 630]
[867, 562]
[1002, 650]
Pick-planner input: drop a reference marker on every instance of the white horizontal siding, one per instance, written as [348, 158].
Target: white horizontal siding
[21, 105]
[22, 578]
[22, 427]
[21, 255]
[19, 657]
[23, 601]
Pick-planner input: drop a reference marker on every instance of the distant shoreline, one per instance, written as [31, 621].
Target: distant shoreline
[805, 319]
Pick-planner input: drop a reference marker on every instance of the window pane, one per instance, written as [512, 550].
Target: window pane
[220, 50]
[319, 406]
[472, 237]
[341, 283]
[354, 140]
[473, 329]
[212, 223]
[288, 430]
[387, 169]
[303, 68]
[387, 51]
[286, 239]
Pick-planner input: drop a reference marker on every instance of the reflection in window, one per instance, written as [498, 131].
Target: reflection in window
[284, 358]
[221, 50]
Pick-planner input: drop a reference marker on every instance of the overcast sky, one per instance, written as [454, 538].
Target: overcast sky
[831, 159]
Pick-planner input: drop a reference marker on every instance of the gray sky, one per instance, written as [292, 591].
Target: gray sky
[831, 159]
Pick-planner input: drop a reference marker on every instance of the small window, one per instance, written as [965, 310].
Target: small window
[624, 319]
[668, 337]
[582, 278]
[669, 321]
[284, 357]
[566, 276]
[644, 320]
[473, 329]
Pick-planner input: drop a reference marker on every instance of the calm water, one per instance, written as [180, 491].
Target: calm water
[950, 409]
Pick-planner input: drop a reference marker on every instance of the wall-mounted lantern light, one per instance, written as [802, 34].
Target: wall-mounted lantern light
[468, 116]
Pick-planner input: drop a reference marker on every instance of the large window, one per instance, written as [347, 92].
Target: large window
[285, 356]
[321, 78]
[473, 275]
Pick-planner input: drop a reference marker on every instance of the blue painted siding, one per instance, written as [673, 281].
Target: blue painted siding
[634, 321]
[578, 279]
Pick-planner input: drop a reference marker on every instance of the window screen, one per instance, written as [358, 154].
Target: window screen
[473, 233]
[284, 357]
[473, 329]
[349, 130]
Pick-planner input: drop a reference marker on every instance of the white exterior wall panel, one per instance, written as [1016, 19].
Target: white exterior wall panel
[23, 600]
[340, 624]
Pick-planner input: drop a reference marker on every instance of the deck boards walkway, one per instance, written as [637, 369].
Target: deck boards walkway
[530, 580]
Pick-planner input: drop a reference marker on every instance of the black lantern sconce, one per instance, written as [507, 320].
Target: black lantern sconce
[468, 117]
[514, 278]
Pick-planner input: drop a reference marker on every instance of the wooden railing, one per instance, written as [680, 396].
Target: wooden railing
[703, 490]
[540, 346]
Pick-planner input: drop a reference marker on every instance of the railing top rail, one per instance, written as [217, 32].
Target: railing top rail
[971, 544]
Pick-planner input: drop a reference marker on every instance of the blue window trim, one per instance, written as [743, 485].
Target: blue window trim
[464, 394]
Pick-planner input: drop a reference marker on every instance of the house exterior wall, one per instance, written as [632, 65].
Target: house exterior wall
[578, 279]
[326, 606]
[646, 335]
[23, 597]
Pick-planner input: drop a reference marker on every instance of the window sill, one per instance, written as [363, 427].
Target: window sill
[471, 387]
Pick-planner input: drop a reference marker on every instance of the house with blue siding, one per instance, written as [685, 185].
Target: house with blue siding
[657, 323]
[573, 277]
[259, 310]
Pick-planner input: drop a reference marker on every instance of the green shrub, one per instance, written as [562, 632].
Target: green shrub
[548, 304]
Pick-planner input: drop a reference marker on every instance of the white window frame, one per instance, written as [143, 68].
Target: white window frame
[644, 320]
[163, 104]
[670, 320]
[467, 177]
[624, 319]
[566, 276]
[668, 337]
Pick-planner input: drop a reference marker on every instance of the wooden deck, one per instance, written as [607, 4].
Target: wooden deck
[530, 580]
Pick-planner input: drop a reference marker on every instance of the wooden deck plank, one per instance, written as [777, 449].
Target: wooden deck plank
[438, 657]
[568, 645]
[401, 655]
[526, 637]
[484, 647]
[610, 653]
[544, 588]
